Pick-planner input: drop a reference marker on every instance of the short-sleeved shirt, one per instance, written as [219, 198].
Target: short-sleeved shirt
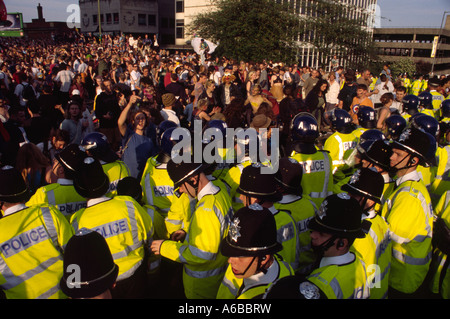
[138, 149]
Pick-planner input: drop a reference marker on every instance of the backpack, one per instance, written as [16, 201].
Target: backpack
[28, 93]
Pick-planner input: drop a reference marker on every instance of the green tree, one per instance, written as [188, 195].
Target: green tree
[250, 30]
[328, 25]
[403, 65]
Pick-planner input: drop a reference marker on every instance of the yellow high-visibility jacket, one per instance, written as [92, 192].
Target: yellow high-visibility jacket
[125, 225]
[409, 213]
[204, 265]
[32, 242]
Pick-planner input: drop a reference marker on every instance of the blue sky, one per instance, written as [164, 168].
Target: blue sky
[394, 13]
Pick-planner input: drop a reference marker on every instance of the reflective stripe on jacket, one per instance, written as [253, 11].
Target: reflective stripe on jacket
[317, 178]
[157, 186]
[409, 214]
[346, 281]
[204, 265]
[32, 242]
[126, 227]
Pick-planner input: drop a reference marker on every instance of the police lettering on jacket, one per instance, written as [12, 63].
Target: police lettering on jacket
[113, 228]
[70, 208]
[313, 166]
[24, 241]
[349, 145]
[163, 190]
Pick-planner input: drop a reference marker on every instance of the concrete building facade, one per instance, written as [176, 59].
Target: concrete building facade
[116, 16]
[185, 11]
[417, 44]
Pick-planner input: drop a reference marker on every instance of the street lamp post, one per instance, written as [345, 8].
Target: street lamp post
[439, 38]
[99, 21]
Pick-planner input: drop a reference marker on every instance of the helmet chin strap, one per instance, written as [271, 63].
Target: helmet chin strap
[365, 209]
[248, 267]
[194, 185]
[321, 249]
[409, 164]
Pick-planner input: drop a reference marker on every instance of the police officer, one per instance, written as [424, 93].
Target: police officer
[429, 124]
[367, 119]
[445, 111]
[340, 273]
[426, 104]
[251, 247]
[409, 213]
[256, 187]
[437, 98]
[439, 267]
[410, 106]
[376, 154]
[366, 186]
[342, 147]
[216, 131]
[441, 183]
[395, 124]
[33, 240]
[317, 178]
[130, 186]
[298, 205]
[204, 265]
[371, 135]
[416, 86]
[247, 147]
[97, 272]
[97, 146]
[158, 191]
[62, 194]
[125, 225]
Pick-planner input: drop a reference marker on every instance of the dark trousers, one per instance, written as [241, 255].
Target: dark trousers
[134, 287]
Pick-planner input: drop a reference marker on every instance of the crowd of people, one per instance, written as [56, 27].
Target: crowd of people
[94, 204]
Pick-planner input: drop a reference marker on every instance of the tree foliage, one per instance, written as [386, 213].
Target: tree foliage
[256, 30]
[403, 65]
[250, 30]
[331, 28]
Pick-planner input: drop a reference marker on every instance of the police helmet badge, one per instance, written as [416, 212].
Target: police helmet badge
[255, 206]
[309, 290]
[343, 196]
[405, 135]
[322, 212]
[234, 230]
[355, 177]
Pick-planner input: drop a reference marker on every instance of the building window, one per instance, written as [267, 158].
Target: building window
[95, 19]
[179, 6]
[152, 20]
[116, 18]
[108, 18]
[179, 31]
[142, 19]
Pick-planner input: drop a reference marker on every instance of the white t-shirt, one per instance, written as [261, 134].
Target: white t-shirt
[170, 115]
[65, 77]
[333, 92]
[381, 90]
